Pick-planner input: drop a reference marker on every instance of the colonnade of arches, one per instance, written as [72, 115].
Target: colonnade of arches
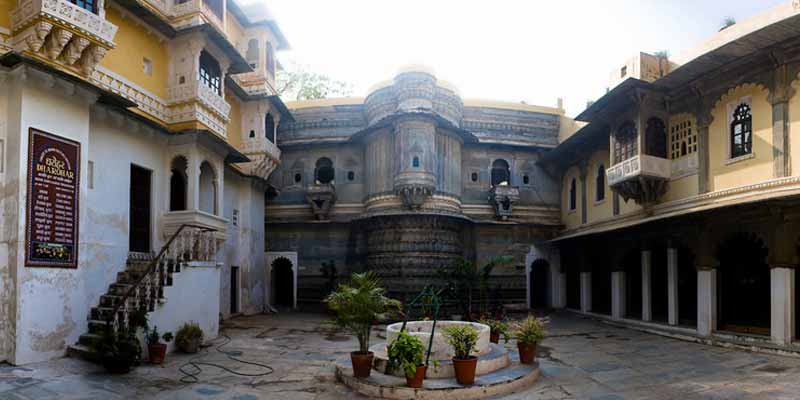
[207, 179]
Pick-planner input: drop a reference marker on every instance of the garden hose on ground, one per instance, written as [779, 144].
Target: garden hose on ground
[191, 370]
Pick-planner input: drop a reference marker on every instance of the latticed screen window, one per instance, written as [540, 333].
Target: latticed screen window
[625, 143]
[741, 131]
[90, 5]
[682, 139]
[210, 74]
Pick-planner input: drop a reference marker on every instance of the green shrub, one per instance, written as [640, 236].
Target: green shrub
[463, 338]
[497, 326]
[530, 330]
[189, 332]
[408, 352]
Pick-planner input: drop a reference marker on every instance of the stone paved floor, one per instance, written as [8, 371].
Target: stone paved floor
[582, 359]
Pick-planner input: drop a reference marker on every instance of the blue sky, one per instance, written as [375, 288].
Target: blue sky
[513, 50]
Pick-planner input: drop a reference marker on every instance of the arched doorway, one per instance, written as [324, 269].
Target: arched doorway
[283, 282]
[208, 189]
[501, 174]
[178, 184]
[538, 284]
[744, 284]
[687, 288]
[632, 264]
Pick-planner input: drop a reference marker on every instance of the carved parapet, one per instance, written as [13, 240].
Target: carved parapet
[201, 241]
[321, 198]
[642, 178]
[265, 157]
[415, 90]
[502, 198]
[62, 32]
[194, 101]
[413, 195]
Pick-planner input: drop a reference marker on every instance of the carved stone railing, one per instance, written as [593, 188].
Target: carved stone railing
[196, 102]
[502, 198]
[194, 91]
[173, 220]
[62, 32]
[264, 154]
[321, 197]
[193, 7]
[189, 243]
[642, 178]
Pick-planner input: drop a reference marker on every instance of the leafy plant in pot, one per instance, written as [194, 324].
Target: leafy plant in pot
[408, 352]
[156, 350]
[189, 337]
[357, 306]
[528, 333]
[498, 328]
[119, 350]
[463, 338]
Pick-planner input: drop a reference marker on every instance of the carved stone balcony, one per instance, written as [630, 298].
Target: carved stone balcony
[502, 198]
[321, 198]
[642, 178]
[61, 32]
[194, 101]
[195, 12]
[203, 245]
[264, 154]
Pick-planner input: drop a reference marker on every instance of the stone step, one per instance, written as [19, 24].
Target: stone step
[89, 339]
[119, 289]
[100, 313]
[109, 300]
[514, 378]
[83, 352]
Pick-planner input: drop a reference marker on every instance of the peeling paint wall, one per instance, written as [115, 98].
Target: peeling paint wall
[8, 213]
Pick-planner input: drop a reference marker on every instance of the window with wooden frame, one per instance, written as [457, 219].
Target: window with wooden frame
[210, 74]
[625, 146]
[600, 184]
[89, 5]
[573, 195]
[682, 138]
[741, 131]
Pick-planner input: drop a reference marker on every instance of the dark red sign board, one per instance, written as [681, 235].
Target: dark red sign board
[51, 229]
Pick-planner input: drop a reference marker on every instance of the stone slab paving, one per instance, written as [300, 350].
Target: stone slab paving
[582, 359]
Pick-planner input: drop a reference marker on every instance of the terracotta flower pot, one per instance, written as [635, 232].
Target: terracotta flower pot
[157, 352]
[494, 337]
[527, 352]
[416, 380]
[465, 370]
[362, 363]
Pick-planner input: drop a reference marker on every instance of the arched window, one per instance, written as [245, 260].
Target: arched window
[270, 60]
[415, 162]
[625, 142]
[741, 131]
[573, 195]
[324, 172]
[252, 53]
[269, 128]
[656, 138]
[501, 175]
[88, 5]
[210, 74]
[208, 188]
[600, 184]
[177, 185]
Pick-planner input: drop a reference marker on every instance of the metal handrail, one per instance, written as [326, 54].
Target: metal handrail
[435, 295]
[151, 267]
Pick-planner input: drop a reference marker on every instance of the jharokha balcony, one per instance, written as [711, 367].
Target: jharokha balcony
[75, 36]
[197, 12]
[640, 175]
[195, 102]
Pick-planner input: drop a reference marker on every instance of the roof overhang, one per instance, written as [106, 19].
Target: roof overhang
[238, 63]
[616, 96]
[275, 100]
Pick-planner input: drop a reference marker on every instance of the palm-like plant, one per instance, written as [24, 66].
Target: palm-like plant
[465, 277]
[360, 304]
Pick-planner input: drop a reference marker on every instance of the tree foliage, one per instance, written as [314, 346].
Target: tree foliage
[299, 82]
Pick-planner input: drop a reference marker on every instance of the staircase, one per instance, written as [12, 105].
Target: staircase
[141, 285]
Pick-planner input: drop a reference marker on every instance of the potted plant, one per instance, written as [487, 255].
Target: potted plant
[528, 334]
[407, 352]
[357, 306]
[189, 337]
[498, 328]
[463, 338]
[119, 350]
[156, 350]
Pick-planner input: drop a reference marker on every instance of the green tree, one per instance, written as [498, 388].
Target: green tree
[299, 82]
[727, 22]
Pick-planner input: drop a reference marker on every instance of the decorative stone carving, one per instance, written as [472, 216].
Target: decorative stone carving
[36, 41]
[502, 198]
[74, 50]
[56, 42]
[91, 57]
[321, 198]
[413, 195]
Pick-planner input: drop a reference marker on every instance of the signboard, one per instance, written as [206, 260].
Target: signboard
[51, 229]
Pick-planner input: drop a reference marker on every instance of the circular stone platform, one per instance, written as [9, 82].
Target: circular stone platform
[440, 349]
[512, 379]
[496, 358]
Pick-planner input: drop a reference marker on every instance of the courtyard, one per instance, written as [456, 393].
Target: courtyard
[581, 359]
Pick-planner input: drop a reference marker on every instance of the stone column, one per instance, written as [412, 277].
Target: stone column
[558, 281]
[672, 285]
[586, 291]
[782, 306]
[780, 94]
[647, 304]
[583, 173]
[618, 295]
[706, 301]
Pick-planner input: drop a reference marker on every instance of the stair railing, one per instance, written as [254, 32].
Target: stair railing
[148, 288]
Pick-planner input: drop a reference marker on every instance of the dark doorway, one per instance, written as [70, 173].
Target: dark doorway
[139, 238]
[632, 263]
[234, 290]
[659, 284]
[687, 288]
[539, 279]
[601, 286]
[744, 285]
[573, 272]
[283, 282]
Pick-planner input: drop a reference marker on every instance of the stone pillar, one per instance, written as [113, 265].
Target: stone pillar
[782, 307]
[583, 172]
[618, 295]
[558, 281]
[706, 301]
[672, 285]
[780, 94]
[586, 291]
[647, 304]
[703, 122]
